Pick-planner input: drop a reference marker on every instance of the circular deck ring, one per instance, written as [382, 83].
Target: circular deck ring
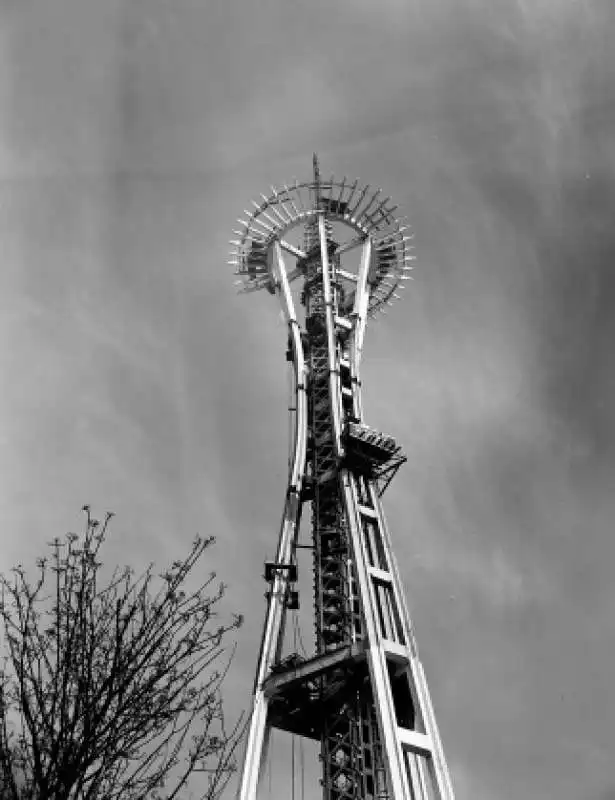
[352, 205]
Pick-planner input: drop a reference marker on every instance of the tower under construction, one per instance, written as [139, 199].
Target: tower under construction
[362, 693]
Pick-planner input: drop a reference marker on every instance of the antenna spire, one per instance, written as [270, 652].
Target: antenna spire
[316, 178]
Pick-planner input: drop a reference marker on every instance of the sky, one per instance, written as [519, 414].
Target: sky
[132, 135]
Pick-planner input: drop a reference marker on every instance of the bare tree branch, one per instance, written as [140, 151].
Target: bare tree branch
[115, 691]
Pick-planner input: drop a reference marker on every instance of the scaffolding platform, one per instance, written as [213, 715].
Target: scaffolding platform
[372, 453]
[302, 692]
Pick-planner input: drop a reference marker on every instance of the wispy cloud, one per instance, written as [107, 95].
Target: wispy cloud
[133, 134]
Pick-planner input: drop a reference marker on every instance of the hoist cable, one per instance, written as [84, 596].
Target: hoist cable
[292, 769]
[301, 645]
[297, 638]
[292, 744]
[302, 764]
[269, 762]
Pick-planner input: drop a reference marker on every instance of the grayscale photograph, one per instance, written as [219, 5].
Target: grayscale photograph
[307, 419]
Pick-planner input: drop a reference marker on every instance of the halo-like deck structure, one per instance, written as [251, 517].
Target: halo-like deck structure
[353, 213]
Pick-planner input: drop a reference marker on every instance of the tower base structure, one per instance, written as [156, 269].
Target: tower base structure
[363, 693]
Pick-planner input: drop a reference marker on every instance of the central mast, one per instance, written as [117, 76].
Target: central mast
[352, 761]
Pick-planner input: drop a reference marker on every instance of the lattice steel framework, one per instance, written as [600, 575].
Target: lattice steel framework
[363, 694]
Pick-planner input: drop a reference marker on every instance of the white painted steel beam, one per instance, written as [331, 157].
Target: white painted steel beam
[349, 276]
[353, 213]
[350, 245]
[295, 251]
[366, 511]
[291, 201]
[334, 389]
[342, 187]
[423, 705]
[359, 313]
[395, 651]
[353, 189]
[284, 220]
[363, 214]
[342, 322]
[415, 742]
[256, 745]
[398, 778]
[380, 575]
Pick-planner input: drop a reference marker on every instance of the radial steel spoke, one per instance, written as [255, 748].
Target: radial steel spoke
[350, 245]
[360, 200]
[291, 249]
[291, 201]
[353, 189]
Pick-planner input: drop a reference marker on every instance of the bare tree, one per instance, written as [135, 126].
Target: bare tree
[112, 691]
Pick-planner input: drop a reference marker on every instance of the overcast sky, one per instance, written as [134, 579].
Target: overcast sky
[134, 132]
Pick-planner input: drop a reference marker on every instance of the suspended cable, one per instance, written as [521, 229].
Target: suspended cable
[297, 639]
[301, 645]
[302, 766]
[269, 761]
[292, 768]
[292, 744]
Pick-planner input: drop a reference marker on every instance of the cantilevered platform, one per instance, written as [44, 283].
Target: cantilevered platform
[302, 692]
